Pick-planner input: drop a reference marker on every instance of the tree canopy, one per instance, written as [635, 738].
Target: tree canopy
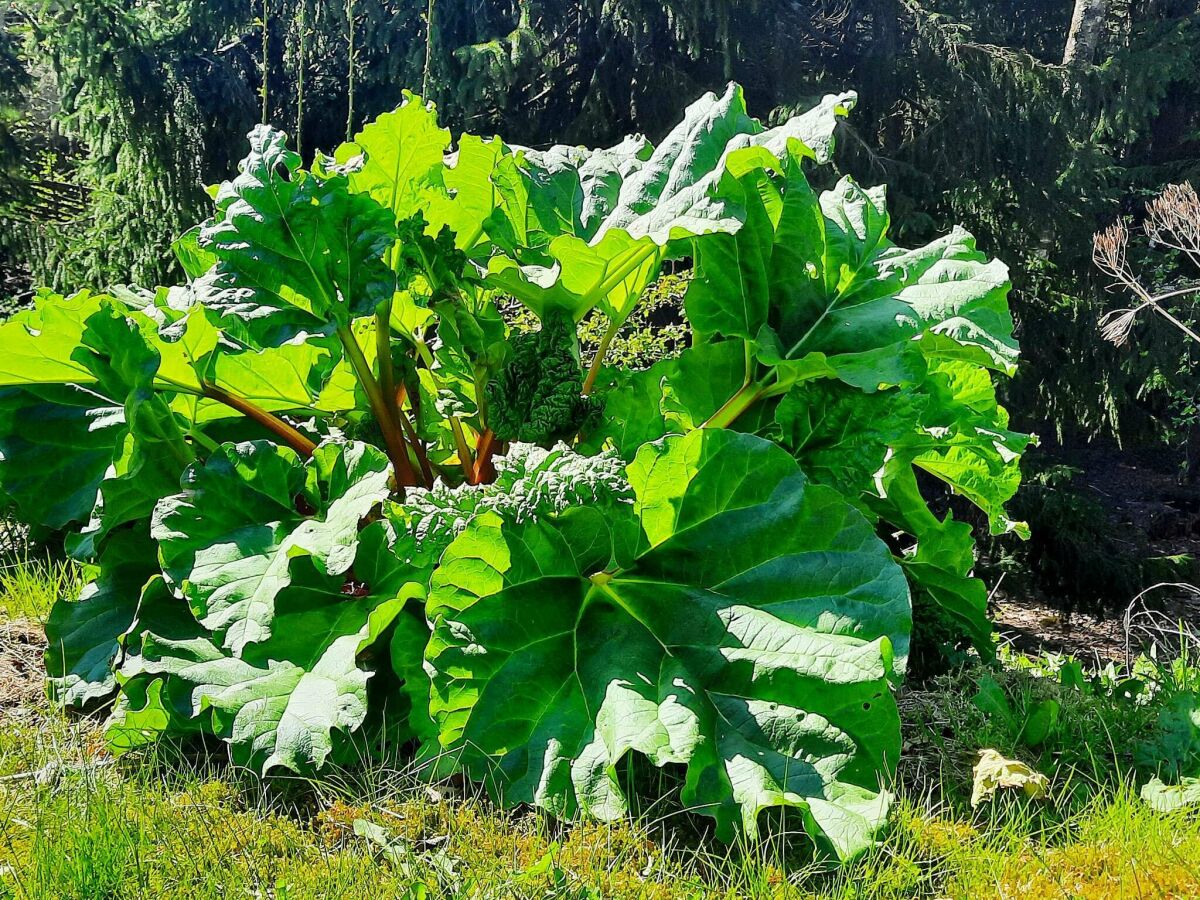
[968, 112]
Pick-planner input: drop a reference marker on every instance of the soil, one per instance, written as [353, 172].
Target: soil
[1031, 626]
[22, 676]
[1165, 617]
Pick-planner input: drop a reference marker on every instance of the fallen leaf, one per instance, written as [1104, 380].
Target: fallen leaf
[1170, 797]
[993, 771]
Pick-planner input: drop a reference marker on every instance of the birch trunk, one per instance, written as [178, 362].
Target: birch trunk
[1087, 23]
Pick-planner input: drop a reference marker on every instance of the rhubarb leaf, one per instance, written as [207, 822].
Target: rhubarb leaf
[83, 637]
[280, 702]
[228, 541]
[296, 252]
[736, 620]
[616, 211]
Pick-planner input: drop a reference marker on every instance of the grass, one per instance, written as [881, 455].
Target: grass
[74, 824]
[30, 585]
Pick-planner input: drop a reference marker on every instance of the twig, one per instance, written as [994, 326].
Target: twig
[54, 770]
[1158, 624]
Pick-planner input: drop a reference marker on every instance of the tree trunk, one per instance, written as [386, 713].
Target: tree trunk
[1087, 23]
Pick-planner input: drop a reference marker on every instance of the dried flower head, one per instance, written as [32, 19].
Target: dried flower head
[1173, 219]
[1116, 326]
[1109, 248]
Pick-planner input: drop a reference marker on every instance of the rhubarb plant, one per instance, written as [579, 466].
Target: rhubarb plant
[338, 504]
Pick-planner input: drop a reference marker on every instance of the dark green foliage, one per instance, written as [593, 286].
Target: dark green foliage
[135, 85]
[939, 643]
[537, 397]
[1172, 749]
[15, 81]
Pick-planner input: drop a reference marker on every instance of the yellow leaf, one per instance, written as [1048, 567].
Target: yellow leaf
[994, 771]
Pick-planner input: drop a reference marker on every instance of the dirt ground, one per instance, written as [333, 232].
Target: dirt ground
[21, 672]
[1031, 626]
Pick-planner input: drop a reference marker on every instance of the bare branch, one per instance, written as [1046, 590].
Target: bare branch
[1110, 249]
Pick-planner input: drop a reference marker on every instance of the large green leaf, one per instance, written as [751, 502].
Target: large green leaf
[855, 298]
[948, 424]
[93, 423]
[736, 620]
[37, 345]
[843, 300]
[84, 435]
[307, 378]
[403, 161]
[730, 292]
[296, 252]
[604, 219]
[470, 195]
[227, 542]
[612, 274]
[672, 190]
[83, 637]
[868, 446]
[60, 339]
[281, 702]
[966, 442]
[56, 444]
[941, 565]
[397, 158]
[153, 452]
[810, 288]
[843, 437]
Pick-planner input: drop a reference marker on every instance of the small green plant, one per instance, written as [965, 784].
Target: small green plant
[337, 503]
[1113, 724]
[1030, 722]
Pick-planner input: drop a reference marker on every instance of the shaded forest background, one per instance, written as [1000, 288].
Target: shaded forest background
[1031, 122]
